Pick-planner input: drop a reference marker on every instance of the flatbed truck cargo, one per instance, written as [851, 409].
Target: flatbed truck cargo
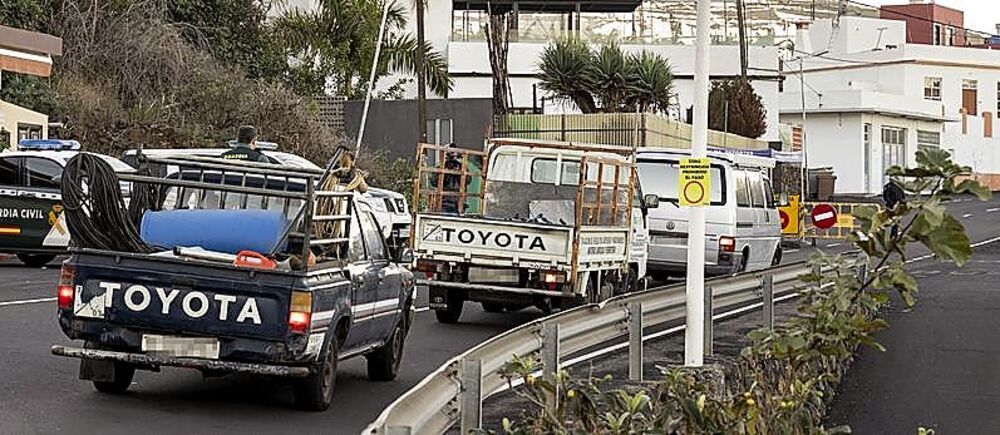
[329, 289]
[551, 225]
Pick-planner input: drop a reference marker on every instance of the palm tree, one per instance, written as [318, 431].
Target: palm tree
[606, 79]
[336, 42]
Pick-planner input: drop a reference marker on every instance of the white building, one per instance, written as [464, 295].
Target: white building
[872, 100]
[448, 31]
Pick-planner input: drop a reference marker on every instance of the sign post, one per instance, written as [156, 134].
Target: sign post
[694, 332]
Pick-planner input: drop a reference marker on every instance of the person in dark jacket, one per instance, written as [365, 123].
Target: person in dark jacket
[893, 195]
[245, 147]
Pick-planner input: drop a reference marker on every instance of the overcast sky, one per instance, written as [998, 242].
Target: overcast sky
[982, 15]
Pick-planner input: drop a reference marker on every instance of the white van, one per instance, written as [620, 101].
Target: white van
[743, 229]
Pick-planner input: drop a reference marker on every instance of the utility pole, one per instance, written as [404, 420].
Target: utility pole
[805, 160]
[741, 22]
[694, 333]
[421, 76]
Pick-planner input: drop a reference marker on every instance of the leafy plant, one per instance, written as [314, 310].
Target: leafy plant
[735, 107]
[605, 79]
[780, 383]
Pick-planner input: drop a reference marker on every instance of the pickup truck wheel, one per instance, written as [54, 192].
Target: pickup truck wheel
[315, 392]
[451, 314]
[493, 307]
[122, 380]
[35, 260]
[383, 363]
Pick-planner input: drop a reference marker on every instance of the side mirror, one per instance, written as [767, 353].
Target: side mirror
[404, 256]
[650, 200]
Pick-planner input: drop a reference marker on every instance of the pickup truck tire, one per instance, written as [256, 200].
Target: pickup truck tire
[383, 363]
[493, 307]
[315, 392]
[450, 314]
[35, 260]
[122, 378]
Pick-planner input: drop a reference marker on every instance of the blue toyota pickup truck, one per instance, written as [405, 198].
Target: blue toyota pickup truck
[329, 287]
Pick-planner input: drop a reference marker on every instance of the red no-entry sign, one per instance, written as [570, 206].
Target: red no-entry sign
[824, 216]
[784, 219]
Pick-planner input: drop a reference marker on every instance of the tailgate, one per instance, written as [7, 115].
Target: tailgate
[461, 239]
[163, 296]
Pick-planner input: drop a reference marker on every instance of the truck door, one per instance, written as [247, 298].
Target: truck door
[363, 290]
[386, 277]
[48, 229]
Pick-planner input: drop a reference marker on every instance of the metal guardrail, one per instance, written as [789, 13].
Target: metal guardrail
[455, 391]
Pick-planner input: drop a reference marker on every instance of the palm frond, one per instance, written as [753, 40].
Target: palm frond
[401, 55]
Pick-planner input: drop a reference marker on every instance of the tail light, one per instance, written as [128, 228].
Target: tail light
[727, 244]
[300, 313]
[65, 289]
[552, 278]
[429, 268]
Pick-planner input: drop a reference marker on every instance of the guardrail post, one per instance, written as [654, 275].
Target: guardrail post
[635, 341]
[708, 321]
[550, 356]
[767, 287]
[398, 430]
[862, 271]
[471, 395]
[817, 270]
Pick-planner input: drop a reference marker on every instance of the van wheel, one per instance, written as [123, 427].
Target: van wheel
[315, 392]
[451, 314]
[35, 260]
[744, 260]
[776, 260]
[383, 363]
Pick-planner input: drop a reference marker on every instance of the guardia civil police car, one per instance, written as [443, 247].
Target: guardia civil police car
[32, 224]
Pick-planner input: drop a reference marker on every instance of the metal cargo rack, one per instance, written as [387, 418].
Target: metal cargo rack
[324, 235]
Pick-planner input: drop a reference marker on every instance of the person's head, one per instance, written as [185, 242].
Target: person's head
[247, 135]
[347, 156]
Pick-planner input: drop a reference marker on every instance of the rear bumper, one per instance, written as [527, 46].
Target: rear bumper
[670, 266]
[155, 361]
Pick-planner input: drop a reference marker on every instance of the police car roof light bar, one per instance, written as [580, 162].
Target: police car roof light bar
[48, 145]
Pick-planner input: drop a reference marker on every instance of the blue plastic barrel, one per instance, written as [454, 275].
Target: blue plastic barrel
[228, 231]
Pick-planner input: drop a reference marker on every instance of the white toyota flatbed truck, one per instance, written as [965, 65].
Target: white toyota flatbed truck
[527, 223]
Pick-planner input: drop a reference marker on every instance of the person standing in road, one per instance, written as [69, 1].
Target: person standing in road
[893, 194]
[245, 147]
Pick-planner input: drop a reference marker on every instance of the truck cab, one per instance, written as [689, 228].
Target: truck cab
[526, 223]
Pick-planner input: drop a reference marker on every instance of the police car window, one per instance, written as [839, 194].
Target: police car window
[373, 238]
[8, 171]
[42, 172]
[357, 241]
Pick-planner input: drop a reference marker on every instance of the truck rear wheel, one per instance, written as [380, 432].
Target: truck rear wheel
[315, 392]
[122, 380]
[383, 363]
[450, 314]
[35, 260]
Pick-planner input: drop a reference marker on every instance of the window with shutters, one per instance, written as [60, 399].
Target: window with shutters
[928, 139]
[970, 96]
[932, 88]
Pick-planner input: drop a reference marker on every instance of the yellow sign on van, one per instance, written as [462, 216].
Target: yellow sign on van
[694, 183]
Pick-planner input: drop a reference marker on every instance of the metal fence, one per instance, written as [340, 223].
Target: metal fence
[454, 392]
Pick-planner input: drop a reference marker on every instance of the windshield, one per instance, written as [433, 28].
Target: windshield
[660, 177]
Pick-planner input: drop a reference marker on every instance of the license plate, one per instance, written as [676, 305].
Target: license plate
[181, 347]
[496, 276]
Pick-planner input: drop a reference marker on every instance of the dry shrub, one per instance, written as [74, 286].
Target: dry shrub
[128, 77]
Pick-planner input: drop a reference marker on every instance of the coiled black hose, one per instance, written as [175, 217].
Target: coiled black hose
[96, 213]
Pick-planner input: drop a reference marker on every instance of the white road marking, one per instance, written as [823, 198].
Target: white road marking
[832, 245]
[27, 301]
[967, 215]
[991, 210]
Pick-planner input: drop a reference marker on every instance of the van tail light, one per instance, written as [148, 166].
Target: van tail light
[300, 313]
[727, 244]
[65, 289]
[552, 278]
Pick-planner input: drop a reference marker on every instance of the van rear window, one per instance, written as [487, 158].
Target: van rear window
[661, 178]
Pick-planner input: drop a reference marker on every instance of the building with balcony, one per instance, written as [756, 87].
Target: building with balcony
[871, 100]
